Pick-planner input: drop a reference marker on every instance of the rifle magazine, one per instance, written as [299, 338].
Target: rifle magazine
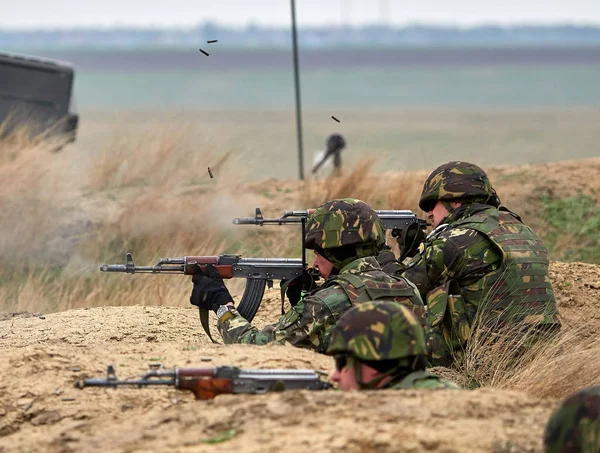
[252, 297]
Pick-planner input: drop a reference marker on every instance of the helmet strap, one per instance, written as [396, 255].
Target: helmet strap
[447, 205]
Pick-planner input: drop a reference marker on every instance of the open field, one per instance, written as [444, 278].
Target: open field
[139, 183]
[263, 143]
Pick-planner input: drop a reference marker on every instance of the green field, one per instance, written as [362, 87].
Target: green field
[505, 86]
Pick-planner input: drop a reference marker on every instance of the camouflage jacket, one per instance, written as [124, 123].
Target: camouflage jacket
[420, 380]
[485, 256]
[575, 425]
[309, 323]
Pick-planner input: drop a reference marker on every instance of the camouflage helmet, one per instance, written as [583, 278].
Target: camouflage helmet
[575, 425]
[374, 331]
[344, 222]
[455, 181]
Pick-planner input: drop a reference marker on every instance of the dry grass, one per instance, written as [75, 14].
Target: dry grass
[158, 158]
[358, 182]
[509, 355]
[551, 367]
[61, 217]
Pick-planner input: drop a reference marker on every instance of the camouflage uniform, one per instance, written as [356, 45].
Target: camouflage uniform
[574, 427]
[376, 332]
[480, 254]
[348, 233]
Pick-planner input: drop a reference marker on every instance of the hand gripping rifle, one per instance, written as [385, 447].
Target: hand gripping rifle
[399, 221]
[206, 383]
[258, 272]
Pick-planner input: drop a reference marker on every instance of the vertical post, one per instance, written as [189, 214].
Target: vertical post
[297, 89]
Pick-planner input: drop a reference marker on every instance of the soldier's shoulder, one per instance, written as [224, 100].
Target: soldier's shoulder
[459, 237]
[333, 294]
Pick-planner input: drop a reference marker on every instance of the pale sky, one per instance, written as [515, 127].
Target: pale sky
[165, 13]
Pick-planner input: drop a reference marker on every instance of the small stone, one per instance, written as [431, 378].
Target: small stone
[58, 392]
[68, 399]
[205, 359]
[42, 317]
[75, 369]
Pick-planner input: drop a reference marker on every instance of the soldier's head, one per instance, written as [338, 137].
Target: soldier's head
[452, 185]
[375, 342]
[575, 426]
[341, 231]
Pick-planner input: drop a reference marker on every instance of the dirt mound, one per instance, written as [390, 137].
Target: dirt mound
[577, 289]
[40, 410]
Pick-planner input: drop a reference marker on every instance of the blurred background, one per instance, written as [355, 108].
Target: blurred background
[413, 83]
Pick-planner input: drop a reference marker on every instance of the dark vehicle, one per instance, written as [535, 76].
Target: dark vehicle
[37, 92]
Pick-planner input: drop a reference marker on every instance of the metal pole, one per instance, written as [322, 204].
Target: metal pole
[297, 88]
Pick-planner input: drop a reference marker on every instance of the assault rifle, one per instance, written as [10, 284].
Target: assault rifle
[258, 272]
[399, 221]
[206, 383]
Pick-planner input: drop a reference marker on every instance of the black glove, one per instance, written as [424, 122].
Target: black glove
[209, 290]
[294, 286]
[409, 240]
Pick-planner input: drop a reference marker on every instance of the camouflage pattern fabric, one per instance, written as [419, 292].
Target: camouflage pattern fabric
[456, 181]
[485, 257]
[378, 331]
[310, 322]
[421, 380]
[344, 222]
[574, 427]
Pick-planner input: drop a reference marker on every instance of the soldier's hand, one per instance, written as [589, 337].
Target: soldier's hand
[209, 291]
[294, 287]
[409, 241]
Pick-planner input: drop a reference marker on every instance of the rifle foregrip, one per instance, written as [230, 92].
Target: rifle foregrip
[206, 388]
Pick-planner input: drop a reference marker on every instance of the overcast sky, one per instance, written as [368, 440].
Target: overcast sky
[77, 13]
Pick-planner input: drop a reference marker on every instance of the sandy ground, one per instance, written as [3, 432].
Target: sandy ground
[40, 410]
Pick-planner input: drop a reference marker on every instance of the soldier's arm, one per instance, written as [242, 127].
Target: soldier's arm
[457, 254]
[428, 269]
[306, 325]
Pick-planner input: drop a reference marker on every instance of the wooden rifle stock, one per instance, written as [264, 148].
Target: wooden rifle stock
[205, 388]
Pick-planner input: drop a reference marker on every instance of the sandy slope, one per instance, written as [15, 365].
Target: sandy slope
[41, 411]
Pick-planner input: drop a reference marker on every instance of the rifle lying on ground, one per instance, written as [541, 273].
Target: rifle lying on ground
[206, 383]
[258, 272]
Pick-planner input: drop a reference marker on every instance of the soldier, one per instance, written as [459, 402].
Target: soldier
[574, 427]
[479, 253]
[379, 345]
[346, 236]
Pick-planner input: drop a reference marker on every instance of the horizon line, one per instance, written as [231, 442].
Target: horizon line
[253, 24]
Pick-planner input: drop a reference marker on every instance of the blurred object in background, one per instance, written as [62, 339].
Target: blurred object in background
[334, 145]
[37, 94]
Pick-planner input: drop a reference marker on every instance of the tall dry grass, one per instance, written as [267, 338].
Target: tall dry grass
[508, 354]
[62, 215]
[358, 182]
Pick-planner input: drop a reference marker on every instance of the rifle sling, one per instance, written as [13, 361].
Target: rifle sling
[205, 324]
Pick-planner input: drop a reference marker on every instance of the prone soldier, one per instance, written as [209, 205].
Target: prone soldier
[379, 345]
[479, 260]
